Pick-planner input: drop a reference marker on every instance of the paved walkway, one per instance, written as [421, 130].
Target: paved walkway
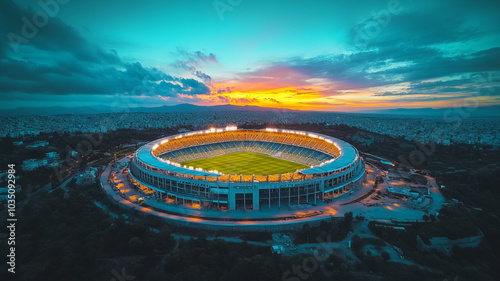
[227, 239]
[388, 209]
[192, 219]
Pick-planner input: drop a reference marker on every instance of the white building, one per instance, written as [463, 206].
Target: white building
[87, 177]
[32, 164]
[38, 144]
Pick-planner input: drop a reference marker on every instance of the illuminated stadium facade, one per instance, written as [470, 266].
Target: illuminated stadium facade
[333, 168]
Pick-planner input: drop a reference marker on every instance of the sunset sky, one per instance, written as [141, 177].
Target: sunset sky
[308, 55]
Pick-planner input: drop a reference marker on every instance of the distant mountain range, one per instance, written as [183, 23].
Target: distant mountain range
[186, 107]
[448, 111]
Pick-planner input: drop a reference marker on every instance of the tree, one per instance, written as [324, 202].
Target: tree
[348, 219]
[135, 244]
[336, 262]
[343, 267]
[385, 255]
[426, 218]
[72, 183]
[164, 240]
[356, 243]
[432, 218]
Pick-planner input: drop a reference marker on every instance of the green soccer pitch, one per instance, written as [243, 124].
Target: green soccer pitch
[245, 163]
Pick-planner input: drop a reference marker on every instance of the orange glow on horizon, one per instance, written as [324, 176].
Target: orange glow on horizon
[285, 97]
[317, 95]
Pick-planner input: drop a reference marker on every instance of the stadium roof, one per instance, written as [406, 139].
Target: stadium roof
[348, 156]
[144, 153]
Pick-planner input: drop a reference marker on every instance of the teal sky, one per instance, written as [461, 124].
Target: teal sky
[318, 55]
[254, 32]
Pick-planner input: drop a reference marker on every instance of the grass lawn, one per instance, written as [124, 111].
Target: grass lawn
[245, 163]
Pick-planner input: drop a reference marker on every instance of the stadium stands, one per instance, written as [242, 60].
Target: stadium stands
[297, 154]
[300, 148]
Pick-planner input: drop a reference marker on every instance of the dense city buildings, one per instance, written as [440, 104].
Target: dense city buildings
[471, 130]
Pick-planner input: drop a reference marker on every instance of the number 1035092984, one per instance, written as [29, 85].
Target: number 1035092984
[11, 197]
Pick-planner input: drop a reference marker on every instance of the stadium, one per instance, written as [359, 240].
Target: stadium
[245, 169]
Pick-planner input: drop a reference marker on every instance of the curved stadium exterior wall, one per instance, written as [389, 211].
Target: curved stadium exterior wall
[335, 167]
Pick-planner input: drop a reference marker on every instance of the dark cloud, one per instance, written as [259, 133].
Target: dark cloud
[193, 61]
[224, 99]
[194, 87]
[225, 90]
[80, 78]
[300, 94]
[323, 104]
[57, 60]
[245, 100]
[477, 84]
[392, 65]
[424, 86]
[273, 100]
[394, 94]
[412, 47]
[411, 28]
[228, 99]
[55, 36]
[205, 58]
[203, 76]
[137, 71]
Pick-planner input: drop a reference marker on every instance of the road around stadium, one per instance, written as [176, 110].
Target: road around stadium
[390, 209]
